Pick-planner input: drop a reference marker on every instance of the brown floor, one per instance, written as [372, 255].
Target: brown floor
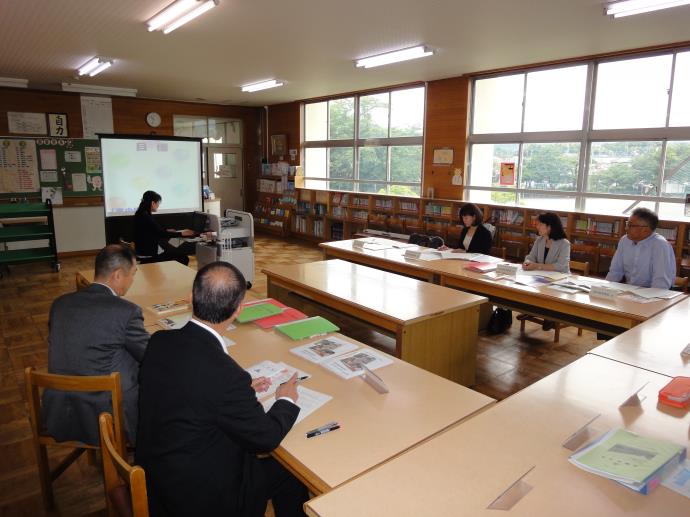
[506, 364]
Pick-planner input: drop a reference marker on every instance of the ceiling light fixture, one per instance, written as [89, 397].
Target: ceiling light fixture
[631, 7]
[178, 13]
[94, 66]
[264, 85]
[99, 90]
[394, 57]
[14, 83]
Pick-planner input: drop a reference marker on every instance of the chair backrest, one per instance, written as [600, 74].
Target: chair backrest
[497, 251]
[581, 268]
[125, 485]
[435, 242]
[681, 283]
[418, 239]
[82, 383]
[81, 282]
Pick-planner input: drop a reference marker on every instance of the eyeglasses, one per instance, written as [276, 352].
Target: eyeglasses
[628, 225]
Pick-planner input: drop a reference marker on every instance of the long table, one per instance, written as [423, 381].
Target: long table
[375, 428]
[462, 471]
[435, 328]
[609, 316]
[655, 345]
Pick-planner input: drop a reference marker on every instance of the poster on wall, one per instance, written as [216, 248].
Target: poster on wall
[507, 174]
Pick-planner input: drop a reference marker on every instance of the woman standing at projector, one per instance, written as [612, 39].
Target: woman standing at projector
[150, 240]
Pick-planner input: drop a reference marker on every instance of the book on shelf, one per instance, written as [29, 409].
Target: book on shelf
[171, 306]
[634, 461]
[670, 234]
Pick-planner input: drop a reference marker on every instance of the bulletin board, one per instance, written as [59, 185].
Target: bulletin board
[54, 167]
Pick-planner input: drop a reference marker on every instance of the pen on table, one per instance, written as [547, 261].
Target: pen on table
[329, 424]
[304, 377]
[323, 431]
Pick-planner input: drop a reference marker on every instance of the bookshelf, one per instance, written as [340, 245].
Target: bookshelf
[330, 215]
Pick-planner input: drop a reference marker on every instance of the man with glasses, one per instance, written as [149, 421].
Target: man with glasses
[643, 257]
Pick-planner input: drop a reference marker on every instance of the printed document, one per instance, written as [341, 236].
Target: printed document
[308, 402]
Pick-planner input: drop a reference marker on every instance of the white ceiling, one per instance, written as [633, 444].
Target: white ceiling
[311, 44]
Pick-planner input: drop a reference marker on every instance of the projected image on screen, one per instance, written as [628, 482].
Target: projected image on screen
[132, 166]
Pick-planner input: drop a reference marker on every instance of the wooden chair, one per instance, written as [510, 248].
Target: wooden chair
[125, 485]
[516, 246]
[582, 269]
[81, 282]
[499, 252]
[42, 440]
[681, 283]
[585, 253]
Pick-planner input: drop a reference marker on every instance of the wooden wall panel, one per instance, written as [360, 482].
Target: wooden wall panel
[447, 107]
[36, 101]
[284, 119]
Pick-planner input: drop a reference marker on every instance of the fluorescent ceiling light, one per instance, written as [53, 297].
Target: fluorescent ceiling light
[261, 86]
[178, 13]
[169, 13]
[394, 57]
[14, 83]
[631, 7]
[95, 66]
[100, 90]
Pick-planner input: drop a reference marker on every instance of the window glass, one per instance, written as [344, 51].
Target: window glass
[407, 112]
[677, 170]
[555, 99]
[612, 206]
[316, 162]
[624, 167]
[632, 93]
[406, 163]
[191, 127]
[341, 119]
[341, 166]
[316, 121]
[498, 104]
[680, 105]
[373, 115]
[486, 162]
[551, 166]
[373, 163]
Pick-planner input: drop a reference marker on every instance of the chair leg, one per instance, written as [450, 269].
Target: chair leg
[44, 476]
[557, 332]
[522, 325]
[579, 332]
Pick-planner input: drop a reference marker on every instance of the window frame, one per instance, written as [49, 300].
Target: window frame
[356, 143]
[586, 136]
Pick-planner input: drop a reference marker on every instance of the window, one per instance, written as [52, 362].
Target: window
[210, 130]
[367, 143]
[600, 136]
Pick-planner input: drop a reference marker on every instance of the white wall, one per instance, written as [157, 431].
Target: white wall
[79, 228]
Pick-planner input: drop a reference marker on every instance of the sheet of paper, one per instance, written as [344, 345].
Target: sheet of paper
[637, 299]
[48, 158]
[276, 372]
[323, 349]
[96, 115]
[176, 321]
[457, 255]
[52, 193]
[79, 182]
[653, 292]
[92, 157]
[349, 365]
[563, 289]
[49, 177]
[308, 402]
[679, 479]
[73, 156]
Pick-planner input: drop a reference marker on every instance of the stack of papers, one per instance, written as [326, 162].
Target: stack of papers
[653, 292]
[277, 373]
[172, 306]
[634, 461]
[473, 257]
[341, 357]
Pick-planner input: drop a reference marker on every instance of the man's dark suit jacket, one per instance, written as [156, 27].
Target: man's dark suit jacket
[148, 233]
[93, 332]
[200, 425]
[481, 240]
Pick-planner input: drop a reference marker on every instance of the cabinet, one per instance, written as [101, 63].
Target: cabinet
[27, 231]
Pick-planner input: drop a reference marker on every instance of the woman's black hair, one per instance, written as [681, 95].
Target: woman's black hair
[472, 209]
[149, 197]
[551, 220]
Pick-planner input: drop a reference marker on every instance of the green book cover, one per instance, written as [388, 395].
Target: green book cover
[626, 456]
[258, 311]
[310, 327]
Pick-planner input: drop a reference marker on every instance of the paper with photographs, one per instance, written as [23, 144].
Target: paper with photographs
[349, 365]
[323, 349]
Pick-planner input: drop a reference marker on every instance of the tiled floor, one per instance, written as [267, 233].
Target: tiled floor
[506, 364]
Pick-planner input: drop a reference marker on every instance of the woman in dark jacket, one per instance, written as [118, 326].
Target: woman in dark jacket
[150, 240]
[475, 238]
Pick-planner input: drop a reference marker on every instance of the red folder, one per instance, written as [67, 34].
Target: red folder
[676, 393]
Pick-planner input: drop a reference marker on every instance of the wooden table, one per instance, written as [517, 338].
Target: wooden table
[656, 344]
[463, 470]
[435, 328]
[609, 316]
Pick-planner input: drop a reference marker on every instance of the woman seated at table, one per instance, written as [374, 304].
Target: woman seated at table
[551, 250]
[150, 240]
[475, 238]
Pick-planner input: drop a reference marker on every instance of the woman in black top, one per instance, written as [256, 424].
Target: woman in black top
[150, 240]
[475, 238]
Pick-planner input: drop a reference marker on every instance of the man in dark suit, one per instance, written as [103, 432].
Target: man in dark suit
[95, 332]
[200, 424]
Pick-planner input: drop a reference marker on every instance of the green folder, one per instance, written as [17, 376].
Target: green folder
[310, 327]
[258, 311]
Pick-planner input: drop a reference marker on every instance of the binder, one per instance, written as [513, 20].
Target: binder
[308, 328]
[258, 311]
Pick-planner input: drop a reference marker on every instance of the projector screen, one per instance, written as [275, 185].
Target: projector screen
[132, 165]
